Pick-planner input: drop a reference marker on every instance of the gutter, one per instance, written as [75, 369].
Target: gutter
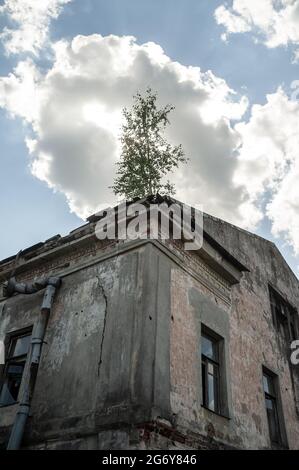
[51, 284]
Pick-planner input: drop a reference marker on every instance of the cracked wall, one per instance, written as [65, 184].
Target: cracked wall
[252, 342]
[120, 366]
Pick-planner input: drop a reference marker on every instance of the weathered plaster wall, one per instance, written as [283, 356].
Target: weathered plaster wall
[252, 342]
[105, 361]
[123, 346]
[251, 315]
[86, 362]
[193, 305]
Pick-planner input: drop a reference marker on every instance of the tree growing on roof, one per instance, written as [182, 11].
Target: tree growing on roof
[146, 156]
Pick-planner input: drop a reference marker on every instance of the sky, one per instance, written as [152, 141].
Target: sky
[230, 68]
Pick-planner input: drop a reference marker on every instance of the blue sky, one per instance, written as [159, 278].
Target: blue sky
[37, 203]
[188, 33]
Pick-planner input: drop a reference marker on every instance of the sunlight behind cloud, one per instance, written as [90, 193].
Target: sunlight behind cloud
[74, 110]
[79, 115]
[97, 114]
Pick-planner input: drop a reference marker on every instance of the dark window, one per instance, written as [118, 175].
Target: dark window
[284, 315]
[270, 391]
[210, 372]
[18, 348]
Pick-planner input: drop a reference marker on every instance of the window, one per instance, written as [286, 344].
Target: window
[18, 348]
[277, 431]
[284, 315]
[271, 407]
[210, 372]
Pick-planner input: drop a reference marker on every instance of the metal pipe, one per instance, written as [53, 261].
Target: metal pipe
[37, 340]
[12, 286]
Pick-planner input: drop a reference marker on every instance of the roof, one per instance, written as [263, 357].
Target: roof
[88, 227]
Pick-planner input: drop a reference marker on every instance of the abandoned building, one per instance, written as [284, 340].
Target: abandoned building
[140, 344]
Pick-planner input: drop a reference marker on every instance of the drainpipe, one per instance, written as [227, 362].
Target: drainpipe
[51, 284]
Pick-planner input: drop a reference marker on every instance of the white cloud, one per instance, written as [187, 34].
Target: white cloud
[31, 21]
[269, 162]
[75, 112]
[283, 210]
[18, 92]
[276, 21]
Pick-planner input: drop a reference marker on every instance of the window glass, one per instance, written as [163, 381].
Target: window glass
[12, 384]
[20, 346]
[203, 377]
[272, 420]
[271, 408]
[208, 348]
[284, 315]
[210, 373]
[14, 368]
[268, 385]
[211, 394]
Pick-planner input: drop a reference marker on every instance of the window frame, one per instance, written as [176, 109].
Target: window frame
[217, 363]
[287, 321]
[275, 397]
[11, 359]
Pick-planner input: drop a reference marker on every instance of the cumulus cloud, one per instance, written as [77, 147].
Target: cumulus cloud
[276, 22]
[268, 162]
[283, 210]
[31, 21]
[75, 113]
[73, 116]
